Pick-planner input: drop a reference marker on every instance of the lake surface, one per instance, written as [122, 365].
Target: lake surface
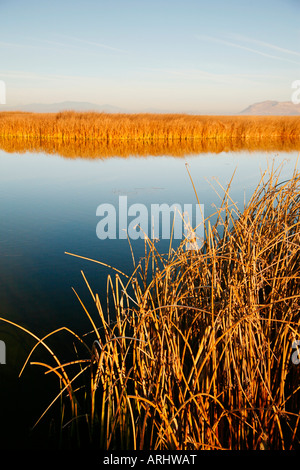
[48, 207]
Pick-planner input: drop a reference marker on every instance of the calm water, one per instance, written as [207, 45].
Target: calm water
[48, 206]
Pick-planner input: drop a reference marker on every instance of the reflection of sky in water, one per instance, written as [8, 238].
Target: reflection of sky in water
[48, 206]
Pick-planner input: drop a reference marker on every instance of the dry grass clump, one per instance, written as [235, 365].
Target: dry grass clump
[76, 126]
[194, 350]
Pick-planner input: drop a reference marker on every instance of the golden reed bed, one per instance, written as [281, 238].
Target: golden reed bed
[100, 135]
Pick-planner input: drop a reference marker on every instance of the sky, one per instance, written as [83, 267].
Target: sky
[195, 56]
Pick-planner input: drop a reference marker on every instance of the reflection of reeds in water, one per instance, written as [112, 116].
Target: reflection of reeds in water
[98, 149]
[198, 354]
[92, 135]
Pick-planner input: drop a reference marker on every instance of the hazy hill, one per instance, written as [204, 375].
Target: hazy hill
[285, 108]
[63, 106]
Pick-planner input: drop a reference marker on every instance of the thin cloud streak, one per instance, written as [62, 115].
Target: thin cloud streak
[265, 44]
[96, 44]
[40, 46]
[21, 75]
[239, 46]
[196, 74]
[22, 46]
[53, 45]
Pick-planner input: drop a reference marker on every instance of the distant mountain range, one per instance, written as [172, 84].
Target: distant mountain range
[63, 106]
[264, 108]
[275, 108]
[76, 106]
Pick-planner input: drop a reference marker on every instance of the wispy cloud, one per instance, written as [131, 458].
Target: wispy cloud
[23, 75]
[203, 75]
[18, 45]
[35, 44]
[70, 43]
[265, 44]
[93, 43]
[250, 49]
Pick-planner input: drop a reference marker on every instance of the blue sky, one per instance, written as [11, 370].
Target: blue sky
[171, 55]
